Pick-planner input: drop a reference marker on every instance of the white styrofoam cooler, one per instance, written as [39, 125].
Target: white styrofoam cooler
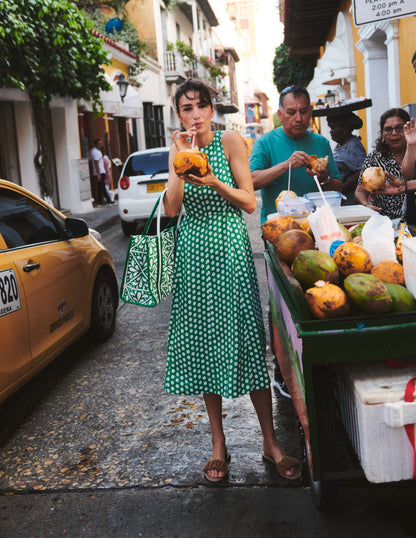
[374, 413]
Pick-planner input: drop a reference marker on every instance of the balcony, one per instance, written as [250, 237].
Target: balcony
[178, 68]
[174, 67]
[226, 101]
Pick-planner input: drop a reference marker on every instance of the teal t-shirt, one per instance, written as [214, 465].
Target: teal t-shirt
[274, 147]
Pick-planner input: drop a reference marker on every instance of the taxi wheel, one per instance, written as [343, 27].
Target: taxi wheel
[129, 228]
[104, 306]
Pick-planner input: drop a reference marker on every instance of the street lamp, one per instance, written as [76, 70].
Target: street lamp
[329, 97]
[122, 84]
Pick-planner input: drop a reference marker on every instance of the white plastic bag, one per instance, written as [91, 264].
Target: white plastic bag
[378, 239]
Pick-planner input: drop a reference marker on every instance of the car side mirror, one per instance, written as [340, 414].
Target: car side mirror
[76, 228]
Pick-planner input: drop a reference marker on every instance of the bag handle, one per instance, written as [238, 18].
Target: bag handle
[159, 213]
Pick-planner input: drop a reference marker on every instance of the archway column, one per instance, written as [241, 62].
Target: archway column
[375, 67]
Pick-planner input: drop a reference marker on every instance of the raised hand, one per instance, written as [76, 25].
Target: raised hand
[410, 131]
[184, 139]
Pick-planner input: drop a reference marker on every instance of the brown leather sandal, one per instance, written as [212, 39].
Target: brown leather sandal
[217, 465]
[286, 463]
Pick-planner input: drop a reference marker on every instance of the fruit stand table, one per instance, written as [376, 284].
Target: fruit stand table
[308, 351]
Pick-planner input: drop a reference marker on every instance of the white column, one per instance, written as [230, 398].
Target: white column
[376, 76]
[393, 61]
[72, 171]
[197, 48]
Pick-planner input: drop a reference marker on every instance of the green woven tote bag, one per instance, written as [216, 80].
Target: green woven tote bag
[148, 269]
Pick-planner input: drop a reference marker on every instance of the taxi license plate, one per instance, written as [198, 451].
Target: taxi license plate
[155, 187]
[9, 292]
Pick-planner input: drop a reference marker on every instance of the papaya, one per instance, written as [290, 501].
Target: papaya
[352, 258]
[389, 272]
[326, 301]
[191, 161]
[273, 227]
[312, 265]
[403, 300]
[289, 244]
[368, 293]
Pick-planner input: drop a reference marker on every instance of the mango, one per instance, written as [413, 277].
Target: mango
[327, 301]
[312, 265]
[368, 293]
[289, 244]
[403, 300]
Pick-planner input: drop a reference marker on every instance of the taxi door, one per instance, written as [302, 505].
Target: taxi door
[15, 357]
[55, 279]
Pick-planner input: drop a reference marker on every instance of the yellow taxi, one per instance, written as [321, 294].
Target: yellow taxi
[56, 282]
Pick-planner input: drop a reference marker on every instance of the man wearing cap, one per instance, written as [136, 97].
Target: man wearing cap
[288, 149]
[349, 153]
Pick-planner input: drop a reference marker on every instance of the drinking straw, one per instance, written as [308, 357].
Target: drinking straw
[288, 181]
[315, 177]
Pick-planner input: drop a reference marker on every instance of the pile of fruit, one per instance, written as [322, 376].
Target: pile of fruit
[342, 284]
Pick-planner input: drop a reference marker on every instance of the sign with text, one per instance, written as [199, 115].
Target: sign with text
[367, 11]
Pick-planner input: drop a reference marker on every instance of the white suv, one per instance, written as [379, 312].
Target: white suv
[143, 177]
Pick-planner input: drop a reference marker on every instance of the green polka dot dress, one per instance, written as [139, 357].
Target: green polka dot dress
[216, 338]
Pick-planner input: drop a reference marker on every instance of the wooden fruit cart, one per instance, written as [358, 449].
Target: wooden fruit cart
[308, 351]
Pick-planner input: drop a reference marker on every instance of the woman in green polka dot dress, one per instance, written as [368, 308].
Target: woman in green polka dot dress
[216, 343]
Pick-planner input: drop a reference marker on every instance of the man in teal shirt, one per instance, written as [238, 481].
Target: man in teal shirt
[291, 145]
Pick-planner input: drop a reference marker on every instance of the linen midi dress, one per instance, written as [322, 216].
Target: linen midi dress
[216, 338]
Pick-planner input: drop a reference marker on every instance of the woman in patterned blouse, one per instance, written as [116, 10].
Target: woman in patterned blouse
[389, 153]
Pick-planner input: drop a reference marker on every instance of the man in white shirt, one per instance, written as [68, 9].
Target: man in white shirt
[98, 172]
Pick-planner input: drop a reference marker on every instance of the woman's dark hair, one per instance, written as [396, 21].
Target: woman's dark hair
[193, 85]
[381, 145]
[349, 121]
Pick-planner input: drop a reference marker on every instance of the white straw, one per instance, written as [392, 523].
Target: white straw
[288, 181]
[320, 190]
[193, 141]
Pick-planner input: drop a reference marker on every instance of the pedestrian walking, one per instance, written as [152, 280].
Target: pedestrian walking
[98, 171]
[216, 343]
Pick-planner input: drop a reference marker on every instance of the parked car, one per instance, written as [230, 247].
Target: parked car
[57, 281]
[142, 179]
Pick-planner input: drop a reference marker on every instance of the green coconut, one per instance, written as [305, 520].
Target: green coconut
[312, 265]
[357, 230]
[403, 300]
[368, 293]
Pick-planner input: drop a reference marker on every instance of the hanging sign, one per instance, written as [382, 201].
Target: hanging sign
[367, 11]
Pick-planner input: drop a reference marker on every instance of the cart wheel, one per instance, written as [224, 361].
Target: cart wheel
[323, 491]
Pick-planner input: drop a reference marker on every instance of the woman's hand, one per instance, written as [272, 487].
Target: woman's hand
[410, 131]
[394, 186]
[209, 180]
[373, 207]
[184, 139]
